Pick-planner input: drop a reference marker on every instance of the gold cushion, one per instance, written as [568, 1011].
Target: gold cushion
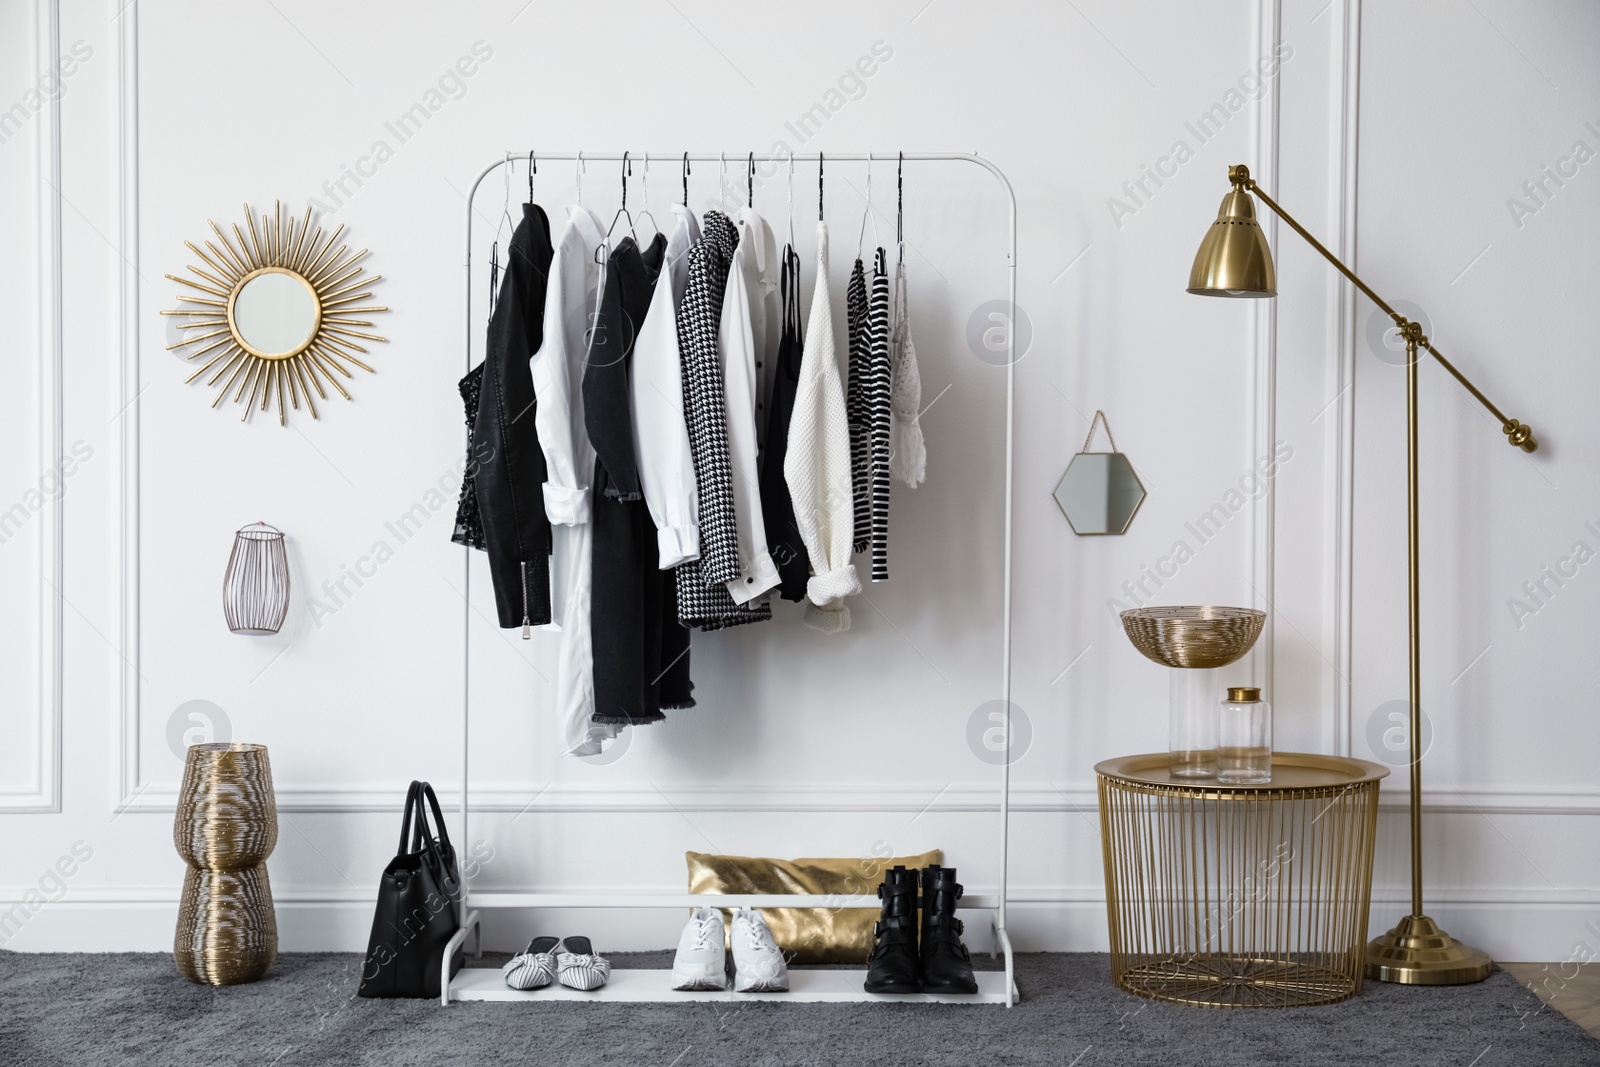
[806, 935]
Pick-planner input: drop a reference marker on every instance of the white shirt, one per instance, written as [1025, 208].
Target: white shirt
[762, 264]
[557, 370]
[661, 437]
[736, 348]
[817, 464]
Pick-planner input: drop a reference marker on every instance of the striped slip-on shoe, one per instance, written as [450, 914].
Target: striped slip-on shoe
[578, 966]
[535, 968]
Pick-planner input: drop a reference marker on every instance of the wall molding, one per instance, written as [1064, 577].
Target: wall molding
[1267, 34]
[127, 750]
[669, 798]
[1344, 101]
[43, 791]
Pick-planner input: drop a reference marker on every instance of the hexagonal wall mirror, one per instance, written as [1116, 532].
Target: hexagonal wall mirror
[1099, 493]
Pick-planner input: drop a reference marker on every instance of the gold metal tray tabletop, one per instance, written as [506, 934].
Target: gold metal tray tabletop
[1291, 771]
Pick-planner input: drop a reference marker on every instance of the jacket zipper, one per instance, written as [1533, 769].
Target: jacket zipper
[527, 620]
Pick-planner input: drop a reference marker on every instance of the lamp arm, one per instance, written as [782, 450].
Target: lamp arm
[1517, 433]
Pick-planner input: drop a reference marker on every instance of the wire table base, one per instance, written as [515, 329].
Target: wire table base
[1234, 982]
[1239, 896]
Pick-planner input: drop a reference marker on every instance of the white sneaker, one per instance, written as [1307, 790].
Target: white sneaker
[702, 961]
[758, 966]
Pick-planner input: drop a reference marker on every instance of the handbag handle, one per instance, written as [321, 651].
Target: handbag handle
[405, 822]
[426, 790]
[423, 838]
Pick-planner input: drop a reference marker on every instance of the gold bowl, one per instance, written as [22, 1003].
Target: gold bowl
[1193, 635]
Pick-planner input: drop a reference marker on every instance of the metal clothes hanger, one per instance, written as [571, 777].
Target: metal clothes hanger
[622, 212]
[791, 266]
[579, 167]
[505, 202]
[862, 240]
[494, 248]
[722, 182]
[750, 183]
[644, 180]
[533, 168]
[686, 179]
[791, 200]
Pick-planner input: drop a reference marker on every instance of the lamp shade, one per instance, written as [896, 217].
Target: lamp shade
[1234, 259]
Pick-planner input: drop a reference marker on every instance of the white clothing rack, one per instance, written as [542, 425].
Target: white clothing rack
[824, 985]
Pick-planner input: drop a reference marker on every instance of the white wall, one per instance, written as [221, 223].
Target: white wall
[804, 744]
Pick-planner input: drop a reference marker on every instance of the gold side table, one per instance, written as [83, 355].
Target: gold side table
[1239, 895]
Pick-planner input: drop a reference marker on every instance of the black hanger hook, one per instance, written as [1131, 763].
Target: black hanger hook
[900, 205]
[686, 179]
[494, 275]
[819, 186]
[750, 180]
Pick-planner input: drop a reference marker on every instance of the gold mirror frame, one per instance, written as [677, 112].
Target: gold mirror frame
[317, 261]
[238, 332]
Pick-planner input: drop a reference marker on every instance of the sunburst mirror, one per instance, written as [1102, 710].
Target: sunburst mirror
[277, 313]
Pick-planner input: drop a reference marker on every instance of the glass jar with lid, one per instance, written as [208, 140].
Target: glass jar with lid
[1244, 738]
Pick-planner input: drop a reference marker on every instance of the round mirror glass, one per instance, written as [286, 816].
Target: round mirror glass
[275, 313]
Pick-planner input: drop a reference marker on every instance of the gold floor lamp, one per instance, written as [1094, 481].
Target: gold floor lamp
[1234, 260]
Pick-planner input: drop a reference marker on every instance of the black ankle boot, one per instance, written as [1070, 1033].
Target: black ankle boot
[946, 967]
[892, 967]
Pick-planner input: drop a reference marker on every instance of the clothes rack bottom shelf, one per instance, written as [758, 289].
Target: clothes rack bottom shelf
[829, 986]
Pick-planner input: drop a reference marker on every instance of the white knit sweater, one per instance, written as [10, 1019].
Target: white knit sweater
[817, 464]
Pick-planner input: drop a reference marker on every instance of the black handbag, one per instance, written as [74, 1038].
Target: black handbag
[418, 908]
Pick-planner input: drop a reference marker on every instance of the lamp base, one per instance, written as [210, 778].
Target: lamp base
[1417, 952]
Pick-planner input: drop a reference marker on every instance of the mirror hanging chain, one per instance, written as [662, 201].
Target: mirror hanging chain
[1099, 420]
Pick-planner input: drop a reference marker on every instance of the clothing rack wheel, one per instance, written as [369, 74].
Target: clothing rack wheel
[829, 986]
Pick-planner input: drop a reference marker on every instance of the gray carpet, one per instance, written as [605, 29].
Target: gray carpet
[105, 1010]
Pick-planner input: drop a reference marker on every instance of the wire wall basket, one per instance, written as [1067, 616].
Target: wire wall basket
[255, 590]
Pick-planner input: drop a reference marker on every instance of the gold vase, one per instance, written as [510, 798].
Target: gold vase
[226, 827]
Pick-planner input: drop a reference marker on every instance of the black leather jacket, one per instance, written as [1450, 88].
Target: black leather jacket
[510, 479]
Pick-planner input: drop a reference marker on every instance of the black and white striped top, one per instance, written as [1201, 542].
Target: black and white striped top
[876, 388]
[855, 405]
